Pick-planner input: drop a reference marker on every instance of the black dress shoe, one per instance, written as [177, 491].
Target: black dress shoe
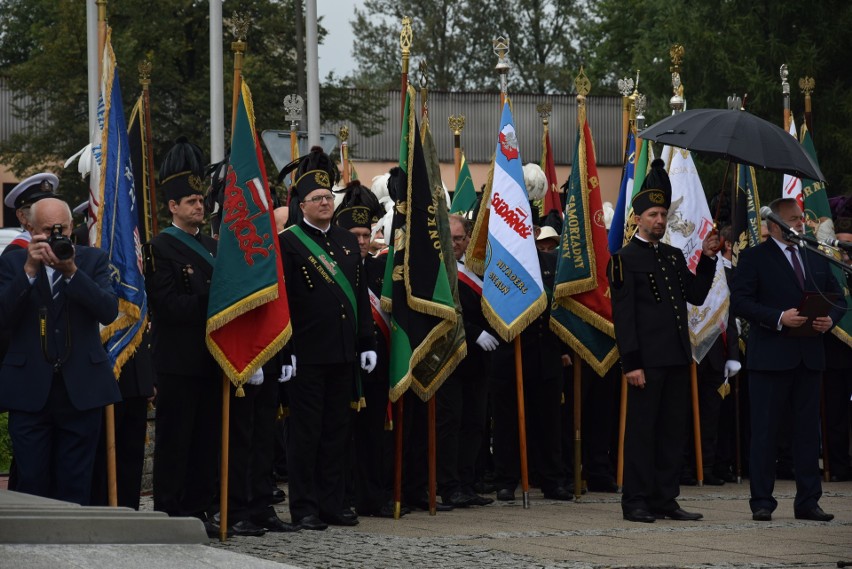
[348, 514]
[559, 493]
[276, 524]
[814, 514]
[711, 479]
[680, 515]
[423, 504]
[476, 499]
[762, 515]
[608, 486]
[278, 496]
[312, 522]
[688, 480]
[640, 515]
[459, 499]
[726, 475]
[385, 511]
[505, 495]
[338, 520]
[245, 528]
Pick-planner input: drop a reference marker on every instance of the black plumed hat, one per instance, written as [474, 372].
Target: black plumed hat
[656, 190]
[182, 170]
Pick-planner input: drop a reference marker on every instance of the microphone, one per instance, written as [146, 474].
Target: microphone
[768, 214]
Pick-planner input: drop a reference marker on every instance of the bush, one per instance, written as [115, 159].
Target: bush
[5, 443]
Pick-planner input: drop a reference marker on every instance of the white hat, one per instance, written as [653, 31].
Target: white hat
[81, 208]
[31, 190]
[547, 232]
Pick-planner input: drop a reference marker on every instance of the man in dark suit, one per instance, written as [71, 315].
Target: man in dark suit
[332, 335]
[784, 367]
[651, 284]
[178, 269]
[56, 376]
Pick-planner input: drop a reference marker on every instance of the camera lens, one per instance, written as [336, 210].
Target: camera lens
[62, 248]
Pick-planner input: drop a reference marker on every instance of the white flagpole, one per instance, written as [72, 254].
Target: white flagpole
[312, 49]
[217, 88]
[92, 56]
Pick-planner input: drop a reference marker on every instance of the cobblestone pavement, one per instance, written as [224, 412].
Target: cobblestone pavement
[574, 535]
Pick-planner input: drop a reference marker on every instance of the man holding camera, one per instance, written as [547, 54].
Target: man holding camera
[56, 376]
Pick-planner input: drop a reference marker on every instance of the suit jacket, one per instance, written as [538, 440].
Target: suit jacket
[73, 317]
[650, 288]
[765, 285]
[324, 328]
[177, 280]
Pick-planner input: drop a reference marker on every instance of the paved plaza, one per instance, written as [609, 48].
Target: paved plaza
[587, 534]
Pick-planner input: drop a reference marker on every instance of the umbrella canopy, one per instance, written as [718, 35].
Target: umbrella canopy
[738, 136]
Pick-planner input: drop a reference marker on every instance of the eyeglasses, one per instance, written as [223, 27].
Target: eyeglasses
[459, 238]
[319, 199]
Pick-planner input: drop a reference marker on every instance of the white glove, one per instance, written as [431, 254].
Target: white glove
[732, 367]
[288, 372]
[487, 342]
[256, 378]
[368, 361]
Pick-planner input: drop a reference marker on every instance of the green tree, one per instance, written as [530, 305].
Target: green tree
[733, 46]
[455, 38]
[43, 55]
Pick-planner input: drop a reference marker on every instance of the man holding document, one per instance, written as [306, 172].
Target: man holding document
[775, 285]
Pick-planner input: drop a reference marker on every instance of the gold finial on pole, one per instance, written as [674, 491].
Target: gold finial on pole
[239, 25]
[626, 87]
[544, 111]
[501, 50]
[405, 38]
[784, 73]
[456, 123]
[343, 134]
[583, 86]
[677, 102]
[807, 84]
[293, 105]
[423, 79]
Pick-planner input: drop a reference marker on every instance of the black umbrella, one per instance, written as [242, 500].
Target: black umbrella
[738, 136]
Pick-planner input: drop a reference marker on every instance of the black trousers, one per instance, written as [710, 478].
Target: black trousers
[472, 433]
[542, 400]
[837, 385]
[319, 426]
[55, 447]
[772, 394]
[186, 448]
[251, 451]
[654, 438]
[131, 424]
[373, 450]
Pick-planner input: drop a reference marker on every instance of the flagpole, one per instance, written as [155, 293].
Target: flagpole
[217, 85]
[344, 152]
[405, 37]
[501, 48]
[578, 425]
[109, 410]
[626, 87]
[293, 105]
[785, 94]
[806, 84]
[240, 24]
[456, 123]
[150, 205]
[431, 403]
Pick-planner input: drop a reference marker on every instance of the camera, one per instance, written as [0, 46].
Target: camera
[59, 244]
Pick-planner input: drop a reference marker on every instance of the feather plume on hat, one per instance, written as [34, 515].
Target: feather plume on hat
[535, 181]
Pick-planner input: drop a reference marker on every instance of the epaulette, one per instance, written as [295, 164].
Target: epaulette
[149, 267]
[616, 271]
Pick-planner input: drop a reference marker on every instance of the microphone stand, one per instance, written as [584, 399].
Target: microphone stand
[807, 242]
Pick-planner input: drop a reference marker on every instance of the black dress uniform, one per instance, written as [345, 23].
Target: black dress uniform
[651, 285]
[328, 337]
[177, 280]
[373, 443]
[542, 368]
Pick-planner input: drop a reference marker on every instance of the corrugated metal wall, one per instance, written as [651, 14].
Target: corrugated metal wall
[482, 118]
[9, 124]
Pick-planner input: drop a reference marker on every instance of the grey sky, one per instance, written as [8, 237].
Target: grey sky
[335, 54]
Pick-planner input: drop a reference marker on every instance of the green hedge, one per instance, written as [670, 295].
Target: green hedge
[5, 443]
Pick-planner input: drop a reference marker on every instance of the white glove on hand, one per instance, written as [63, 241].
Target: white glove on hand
[732, 367]
[256, 378]
[368, 361]
[487, 342]
[288, 372]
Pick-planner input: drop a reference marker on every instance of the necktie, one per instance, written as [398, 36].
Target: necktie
[55, 283]
[797, 267]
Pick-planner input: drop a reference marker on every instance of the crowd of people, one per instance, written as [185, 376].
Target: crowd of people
[301, 417]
